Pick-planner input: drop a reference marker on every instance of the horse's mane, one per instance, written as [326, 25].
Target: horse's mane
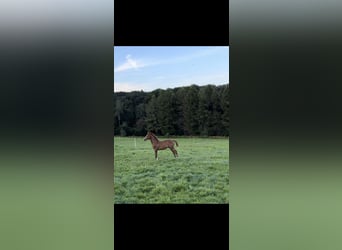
[154, 136]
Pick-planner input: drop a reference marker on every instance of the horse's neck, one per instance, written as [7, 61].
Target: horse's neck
[154, 140]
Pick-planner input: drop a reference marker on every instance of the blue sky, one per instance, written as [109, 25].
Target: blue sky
[148, 68]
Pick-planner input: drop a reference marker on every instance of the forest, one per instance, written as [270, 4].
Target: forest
[183, 111]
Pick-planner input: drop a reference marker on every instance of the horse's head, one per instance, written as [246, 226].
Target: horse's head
[148, 136]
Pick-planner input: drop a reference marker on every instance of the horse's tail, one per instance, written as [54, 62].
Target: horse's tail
[175, 142]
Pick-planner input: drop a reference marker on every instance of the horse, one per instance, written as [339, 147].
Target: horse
[161, 145]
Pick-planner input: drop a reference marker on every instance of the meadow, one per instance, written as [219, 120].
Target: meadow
[199, 175]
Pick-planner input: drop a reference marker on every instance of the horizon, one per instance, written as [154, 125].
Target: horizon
[147, 68]
[217, 85]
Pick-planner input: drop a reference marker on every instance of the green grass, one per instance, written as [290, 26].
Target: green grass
[199, 175]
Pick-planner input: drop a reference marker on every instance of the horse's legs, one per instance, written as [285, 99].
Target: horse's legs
[156, 154]
[174, 151]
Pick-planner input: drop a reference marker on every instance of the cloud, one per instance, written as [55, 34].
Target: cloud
[129, 64]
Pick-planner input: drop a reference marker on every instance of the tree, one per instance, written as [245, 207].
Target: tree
[215, 114]
[191, 110]
[166, 112]
[118, 110]
[225, 109]
[190, 107]
[203, 111]
[140, 121]
[151, 115]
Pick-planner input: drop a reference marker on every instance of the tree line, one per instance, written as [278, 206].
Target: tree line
[192, 111]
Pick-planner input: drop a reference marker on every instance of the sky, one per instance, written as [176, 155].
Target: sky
[148, 68]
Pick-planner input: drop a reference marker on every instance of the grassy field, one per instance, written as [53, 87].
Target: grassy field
[199, 175]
